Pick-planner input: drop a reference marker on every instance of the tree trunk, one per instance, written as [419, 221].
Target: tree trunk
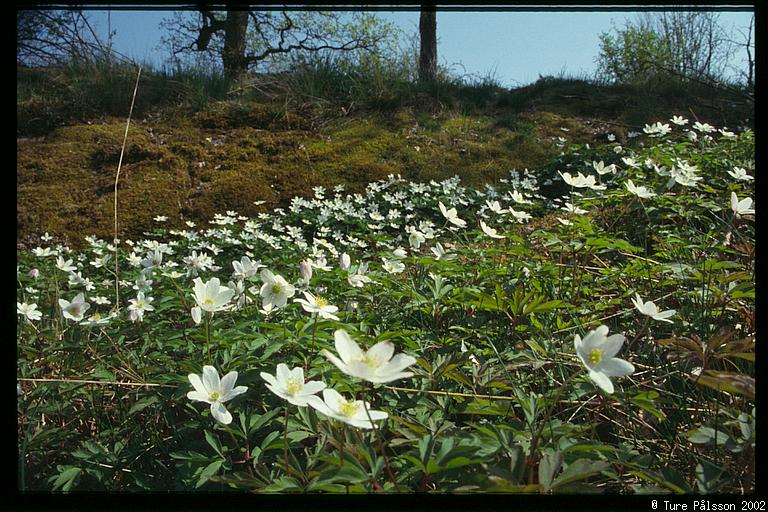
[233, 54]
[428, 38]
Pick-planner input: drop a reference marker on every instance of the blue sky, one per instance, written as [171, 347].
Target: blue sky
[515, 47]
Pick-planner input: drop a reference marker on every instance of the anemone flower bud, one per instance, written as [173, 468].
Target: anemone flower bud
[345, 261]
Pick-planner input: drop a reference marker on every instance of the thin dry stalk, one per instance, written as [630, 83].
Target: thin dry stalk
[117, 177]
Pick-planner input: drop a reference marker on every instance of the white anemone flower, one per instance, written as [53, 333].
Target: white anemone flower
[679, 120]
[650, 309]
[275, 291]
[350, 411]
[211, 296]
[290, 385]
[212, 390]
[345, 261]
[376, 365]
[141, 303]
[451, 216]
[641, 192]
[28, 310]
[441, 254]
[318, 304]
[597, 351]
[358, 280]
[415, 238]
[305, 269]
[245, 268]
[519, 198]
[491, 232]
[601, 168]
[392, 266]
[740, 174]
[65, 265]
[76, 309]
[743, 207]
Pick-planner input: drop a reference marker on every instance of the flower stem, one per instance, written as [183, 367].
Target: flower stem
[381, 445]
[312, 354]
[537, 436]
[285, 440]
[208, 316]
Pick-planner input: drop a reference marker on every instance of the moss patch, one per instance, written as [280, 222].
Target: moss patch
[191, 166]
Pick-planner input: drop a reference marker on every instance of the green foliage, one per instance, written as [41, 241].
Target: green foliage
[498, 400]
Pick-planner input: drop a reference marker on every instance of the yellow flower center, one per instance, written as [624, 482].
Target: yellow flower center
[294, 386]
[595, 356]
[371, 361]
[320, 301]
[276, 289]
[349, 408]
[208, 302]
[214, 396]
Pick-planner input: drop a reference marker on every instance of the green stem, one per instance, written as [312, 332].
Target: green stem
[208, 316]
[381, 445]
[312, 354]
[537, 436]
[285, 440]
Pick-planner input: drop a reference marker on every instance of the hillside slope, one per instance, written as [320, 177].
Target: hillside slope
[251, 156]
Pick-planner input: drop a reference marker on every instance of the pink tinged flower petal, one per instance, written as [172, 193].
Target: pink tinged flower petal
[615, 367]
[220, 413]
[601, 380]
[346, 347]
[211, 379]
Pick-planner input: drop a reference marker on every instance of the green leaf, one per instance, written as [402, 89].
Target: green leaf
[548, 467]
[645, 401]
[143, 403]
[706, 435]
[213, 441]
[708, 477]
[580, 469]
[67, 477]
[208, 472]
